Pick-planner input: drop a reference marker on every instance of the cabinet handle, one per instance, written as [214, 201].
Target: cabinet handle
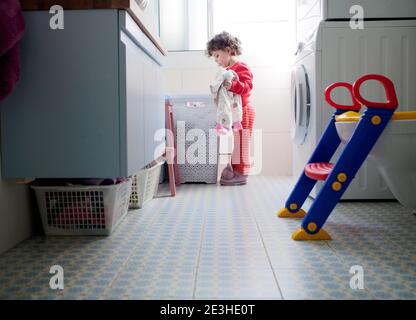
[128, 34]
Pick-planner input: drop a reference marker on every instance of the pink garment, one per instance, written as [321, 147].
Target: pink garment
[12, 28]
[79, 213]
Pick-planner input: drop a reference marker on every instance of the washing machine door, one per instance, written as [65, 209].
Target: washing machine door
[301, 104]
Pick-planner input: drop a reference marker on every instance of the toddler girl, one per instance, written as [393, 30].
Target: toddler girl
[225, 49]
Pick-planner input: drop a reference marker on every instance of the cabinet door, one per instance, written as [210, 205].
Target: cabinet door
[154, 111]
[132, 76]
[62, 120]
[159, 114]
[141, 83]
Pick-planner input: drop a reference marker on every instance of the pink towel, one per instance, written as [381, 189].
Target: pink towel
[12, 27]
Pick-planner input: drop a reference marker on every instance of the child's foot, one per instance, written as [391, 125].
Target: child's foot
[227, 173]
[220, 129]
[237, 179]
[237, 126]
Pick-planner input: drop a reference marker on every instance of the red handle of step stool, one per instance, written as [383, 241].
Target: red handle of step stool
[388, 85]
[356, 105]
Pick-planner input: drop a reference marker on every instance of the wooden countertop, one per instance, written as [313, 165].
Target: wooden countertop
[130, 5]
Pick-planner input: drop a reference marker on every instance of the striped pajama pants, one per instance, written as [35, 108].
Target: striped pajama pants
[240, 159]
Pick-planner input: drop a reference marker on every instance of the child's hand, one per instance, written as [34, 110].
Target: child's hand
[235, 77]
[227, 84]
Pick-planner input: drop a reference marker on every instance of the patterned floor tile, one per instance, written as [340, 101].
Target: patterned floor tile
[211, 242]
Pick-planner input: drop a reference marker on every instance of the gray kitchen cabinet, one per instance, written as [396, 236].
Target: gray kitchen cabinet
[88, 102]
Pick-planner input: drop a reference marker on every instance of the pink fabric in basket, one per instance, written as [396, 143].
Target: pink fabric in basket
[78, 213]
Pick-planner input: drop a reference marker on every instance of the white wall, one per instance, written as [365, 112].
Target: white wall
[192, 72]
[16, 214]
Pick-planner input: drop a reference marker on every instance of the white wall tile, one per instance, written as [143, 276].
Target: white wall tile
[188, 59]
[271, 77]
[172, 80]
[273, 109]
[17, 213]
[196, 80]
[277, 154]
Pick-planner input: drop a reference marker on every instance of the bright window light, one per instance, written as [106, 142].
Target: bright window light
[184, 24]
[263, 26]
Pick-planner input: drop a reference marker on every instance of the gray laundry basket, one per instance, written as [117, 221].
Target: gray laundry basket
[195, 112]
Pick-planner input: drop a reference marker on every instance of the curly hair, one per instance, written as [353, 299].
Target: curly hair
[222, 41]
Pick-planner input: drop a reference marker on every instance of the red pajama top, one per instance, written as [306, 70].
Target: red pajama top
[244, 84]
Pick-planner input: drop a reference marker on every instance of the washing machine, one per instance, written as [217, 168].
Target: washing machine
[334, 52]
[310, 12]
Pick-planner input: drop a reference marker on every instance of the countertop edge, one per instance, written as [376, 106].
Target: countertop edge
[129, 5]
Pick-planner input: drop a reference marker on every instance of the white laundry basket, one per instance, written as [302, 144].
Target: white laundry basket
[83, 210]
[195, 113]
[145, 184]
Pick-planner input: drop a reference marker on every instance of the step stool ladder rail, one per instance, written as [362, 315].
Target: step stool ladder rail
[363, 139]
[327, 146]
[345, 169]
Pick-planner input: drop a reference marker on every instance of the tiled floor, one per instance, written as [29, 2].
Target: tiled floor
[213, 242]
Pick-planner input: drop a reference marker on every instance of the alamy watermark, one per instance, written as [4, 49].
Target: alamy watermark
[357, 18]
[357, 278]
[57, 280]
[198, 146]
[56, 22]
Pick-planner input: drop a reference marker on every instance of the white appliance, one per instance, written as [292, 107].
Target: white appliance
[311, 12]
[373, 9]
[335, 52]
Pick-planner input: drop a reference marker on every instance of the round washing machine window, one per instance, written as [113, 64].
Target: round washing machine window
[301, 104]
